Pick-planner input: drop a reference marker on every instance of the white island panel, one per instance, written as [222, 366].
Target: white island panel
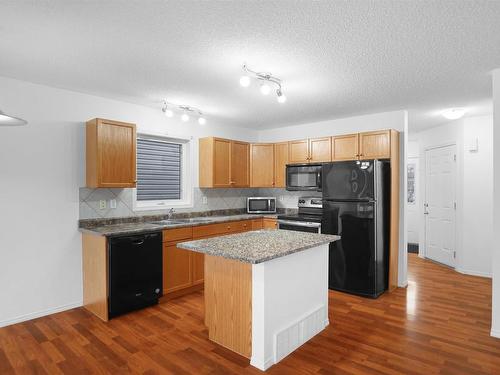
[289, 304]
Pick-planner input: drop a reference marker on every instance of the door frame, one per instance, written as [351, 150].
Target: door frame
[422, 252]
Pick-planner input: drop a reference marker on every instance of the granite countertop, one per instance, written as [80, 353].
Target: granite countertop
[258, 246]
[144, 227]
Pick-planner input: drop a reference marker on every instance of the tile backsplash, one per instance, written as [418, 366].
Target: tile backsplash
[216, 199]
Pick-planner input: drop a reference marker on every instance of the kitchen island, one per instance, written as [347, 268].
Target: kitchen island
[266, 291]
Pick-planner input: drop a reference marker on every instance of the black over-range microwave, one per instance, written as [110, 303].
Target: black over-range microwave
[303, 177]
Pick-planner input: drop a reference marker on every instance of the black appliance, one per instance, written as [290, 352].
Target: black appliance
[135, 272]
[356, 207]
[303, 177]
[308, 218]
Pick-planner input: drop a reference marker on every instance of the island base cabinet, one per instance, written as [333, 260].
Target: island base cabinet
[265, 311]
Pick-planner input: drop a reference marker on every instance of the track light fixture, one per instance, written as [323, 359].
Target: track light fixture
[266, 81]
[186, 111]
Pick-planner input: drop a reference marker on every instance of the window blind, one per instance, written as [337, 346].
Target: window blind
[158, 170]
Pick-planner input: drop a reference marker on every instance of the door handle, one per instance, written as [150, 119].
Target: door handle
[138, 242]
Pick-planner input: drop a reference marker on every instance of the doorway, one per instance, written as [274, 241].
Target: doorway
[440, 204]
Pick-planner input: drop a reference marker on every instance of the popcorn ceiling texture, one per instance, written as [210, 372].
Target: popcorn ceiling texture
[217, 199]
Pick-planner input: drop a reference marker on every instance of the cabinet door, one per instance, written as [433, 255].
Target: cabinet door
[257, 224]
[320, 149]
[280, 162]
[116, 154]
[269, 223]
[345, 147]
[240, 161]
[262, 165]
[198, 266]
[177, 273]
[375, 145]
[299, 151]
[222, 159]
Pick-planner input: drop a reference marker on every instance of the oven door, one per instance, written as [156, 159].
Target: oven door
[303, 177]
[300, 226]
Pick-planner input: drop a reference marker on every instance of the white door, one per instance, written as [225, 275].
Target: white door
[440, 205]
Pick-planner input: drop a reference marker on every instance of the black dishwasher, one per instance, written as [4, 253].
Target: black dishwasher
[135, 272]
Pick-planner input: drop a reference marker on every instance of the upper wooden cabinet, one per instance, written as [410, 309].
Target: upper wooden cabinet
[280, 162]
[367, 145]
[262, 165]
[223, 163]
[110, 154]
[299, 151]
[314, 150]
[320, 150]
[345, 147]
[375, 145]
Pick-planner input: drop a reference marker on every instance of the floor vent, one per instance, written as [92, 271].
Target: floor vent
[289, 339]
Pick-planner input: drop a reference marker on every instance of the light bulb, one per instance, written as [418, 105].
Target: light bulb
[265, 89]
[281, 98]
[245, 81]
[185, 117]
[453, 113]
[168, 112]
[202, 121]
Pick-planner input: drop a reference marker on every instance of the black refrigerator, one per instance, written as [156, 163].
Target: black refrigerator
[356, 207]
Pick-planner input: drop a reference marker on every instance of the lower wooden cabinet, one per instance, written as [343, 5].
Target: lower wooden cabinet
[270, 223]
[177, 268]
[184, 270]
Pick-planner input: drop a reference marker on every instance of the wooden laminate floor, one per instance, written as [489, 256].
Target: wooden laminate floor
[439, 325]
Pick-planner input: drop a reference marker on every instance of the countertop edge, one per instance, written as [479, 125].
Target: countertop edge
[157, 228]
[254, 261]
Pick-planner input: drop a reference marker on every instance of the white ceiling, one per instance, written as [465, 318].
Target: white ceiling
[336, 58]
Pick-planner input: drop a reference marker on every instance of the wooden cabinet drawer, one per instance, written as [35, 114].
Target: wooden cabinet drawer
[172, 235]
[257, 224]
[240, 226]
[270, 223]
[210, 230]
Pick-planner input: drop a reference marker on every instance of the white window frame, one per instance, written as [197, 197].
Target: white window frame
[186, 200]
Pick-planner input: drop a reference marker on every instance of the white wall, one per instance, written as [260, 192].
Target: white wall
[41, 169]
[474, 189]
[397, 120]
[495, 324]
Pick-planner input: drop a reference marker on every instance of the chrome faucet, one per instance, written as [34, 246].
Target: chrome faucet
[170, 213]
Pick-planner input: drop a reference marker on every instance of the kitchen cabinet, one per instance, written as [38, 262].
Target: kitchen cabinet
[280, 162]
[299, 151]
[375, 145]
[223, 163]
[257, 224]
[313, 150]
[345, 147]
[177, 263]
[320, 150]
[110, 154]
[262, 165]
[270, 223]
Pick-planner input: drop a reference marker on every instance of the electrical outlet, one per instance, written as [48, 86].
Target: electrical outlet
[282, 198]
[102, 204]
[204, 200]
[112, 203]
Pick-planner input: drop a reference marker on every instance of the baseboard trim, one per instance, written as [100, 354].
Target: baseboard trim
[473, 273]
[495, 333]
[38, 314]
[263, 366]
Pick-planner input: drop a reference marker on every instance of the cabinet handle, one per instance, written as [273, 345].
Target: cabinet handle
[232, 182]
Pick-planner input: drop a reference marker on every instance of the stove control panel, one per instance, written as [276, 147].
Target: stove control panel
[310, 202]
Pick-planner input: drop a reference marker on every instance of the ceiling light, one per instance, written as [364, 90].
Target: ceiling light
[281, 97]
[265, 89]
[185, 117]
[266, 82]
[202, 121]
[185, 109]
[6, 120]
[245, 81]
[169, 113]
[453, 113]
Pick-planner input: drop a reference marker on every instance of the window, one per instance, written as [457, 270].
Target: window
[162, 178]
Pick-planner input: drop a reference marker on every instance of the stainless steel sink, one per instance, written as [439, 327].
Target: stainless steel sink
[194, 220]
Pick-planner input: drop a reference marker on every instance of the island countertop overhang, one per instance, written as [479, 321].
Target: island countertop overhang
[258, 246]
